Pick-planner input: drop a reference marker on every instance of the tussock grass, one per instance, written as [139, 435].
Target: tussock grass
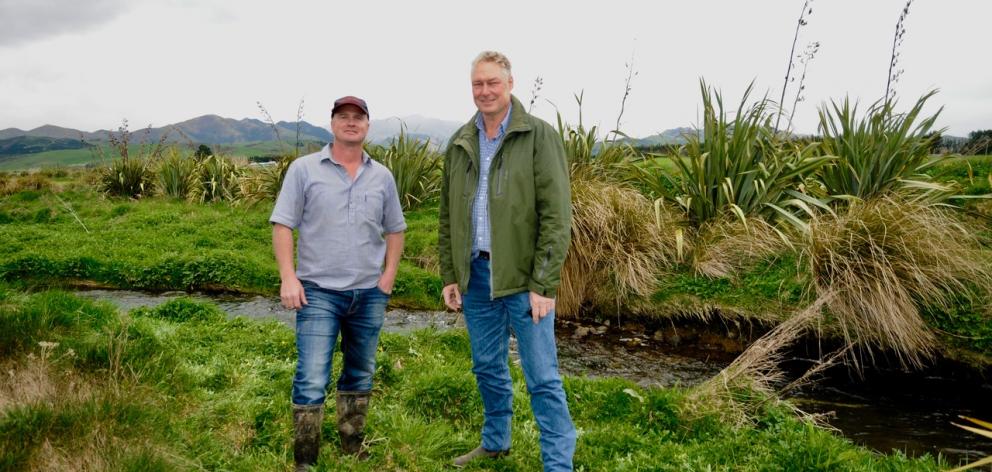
[739, 393]
[616, 251]
[886, 258]
[9, 184]
[728, 247]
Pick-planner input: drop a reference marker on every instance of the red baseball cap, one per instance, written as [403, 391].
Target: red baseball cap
[350, 100]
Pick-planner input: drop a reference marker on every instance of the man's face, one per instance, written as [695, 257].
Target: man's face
[350, 125]
[491, 88]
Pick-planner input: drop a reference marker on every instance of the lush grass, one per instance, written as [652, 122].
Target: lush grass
[181, 388]
[970, 172]
[161, 244]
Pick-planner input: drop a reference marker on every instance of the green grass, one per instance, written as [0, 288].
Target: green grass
[161, 244]
[180, 387]
[970, 172]
[64, 157]
[77, 157]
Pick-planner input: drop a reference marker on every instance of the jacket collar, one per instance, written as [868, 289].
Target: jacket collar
[519, 121]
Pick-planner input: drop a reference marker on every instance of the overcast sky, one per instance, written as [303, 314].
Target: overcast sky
[88, 64]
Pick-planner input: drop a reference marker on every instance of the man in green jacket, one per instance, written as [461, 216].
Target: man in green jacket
[505, 223]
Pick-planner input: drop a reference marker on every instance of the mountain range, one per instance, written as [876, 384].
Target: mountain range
[213, 129]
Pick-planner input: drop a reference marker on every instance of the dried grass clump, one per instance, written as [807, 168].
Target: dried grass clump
[37, 181]
[741, 390]
[617, 249]
[729, 246]
[886, 258]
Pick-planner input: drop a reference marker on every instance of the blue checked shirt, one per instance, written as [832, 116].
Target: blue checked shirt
[481, 235]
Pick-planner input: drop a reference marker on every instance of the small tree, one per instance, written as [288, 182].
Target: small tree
[203, 151]
[979, 142]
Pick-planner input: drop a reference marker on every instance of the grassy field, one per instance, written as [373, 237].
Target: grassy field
[180, 387]
[82, 157]
[64, 158]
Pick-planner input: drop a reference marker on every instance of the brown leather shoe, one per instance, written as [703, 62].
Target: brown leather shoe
[479, 453]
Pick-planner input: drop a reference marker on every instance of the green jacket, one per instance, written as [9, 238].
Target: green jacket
[530, 210]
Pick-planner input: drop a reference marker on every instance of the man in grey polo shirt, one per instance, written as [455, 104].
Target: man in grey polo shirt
[347, 211]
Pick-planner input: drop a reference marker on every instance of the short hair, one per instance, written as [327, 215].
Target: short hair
[494, 57]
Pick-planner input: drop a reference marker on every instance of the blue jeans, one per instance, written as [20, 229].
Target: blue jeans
[489, 323]
[358, 316]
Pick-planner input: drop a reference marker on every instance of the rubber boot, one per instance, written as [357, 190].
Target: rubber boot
[352, 407]
[307, 420]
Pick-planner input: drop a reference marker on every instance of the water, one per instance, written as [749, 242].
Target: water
[888, 409]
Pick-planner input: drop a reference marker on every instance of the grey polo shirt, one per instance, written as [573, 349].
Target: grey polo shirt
[341, 222]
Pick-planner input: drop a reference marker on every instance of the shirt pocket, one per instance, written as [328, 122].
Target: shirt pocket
[373, 206]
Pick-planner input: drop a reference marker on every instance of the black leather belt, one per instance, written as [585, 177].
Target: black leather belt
[484, 255]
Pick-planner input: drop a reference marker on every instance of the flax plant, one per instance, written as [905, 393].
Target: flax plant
[218, 179]
[881, 152]
[736, 167]
[415, 165]
[176, 175]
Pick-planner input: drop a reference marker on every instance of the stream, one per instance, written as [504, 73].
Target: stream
[885, 408]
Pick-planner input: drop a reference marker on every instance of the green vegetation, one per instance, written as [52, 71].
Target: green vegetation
[161, 244]
[35, 144]
[180, 387]
[416, 168]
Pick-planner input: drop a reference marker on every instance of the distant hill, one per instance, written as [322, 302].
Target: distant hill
[214, 129]
[669, 136]
[34, 144]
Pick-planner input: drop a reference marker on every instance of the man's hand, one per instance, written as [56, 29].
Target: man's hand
[452, 297]
[386, 283]
[540, 306]
[291, 293]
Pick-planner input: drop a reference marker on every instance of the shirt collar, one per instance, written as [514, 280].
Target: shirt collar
[325, 154]
[479, 123]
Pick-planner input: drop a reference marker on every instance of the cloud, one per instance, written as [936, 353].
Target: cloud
[23, 21]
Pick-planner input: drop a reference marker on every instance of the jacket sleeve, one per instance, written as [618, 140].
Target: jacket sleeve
[554, 211]
[444, 226]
